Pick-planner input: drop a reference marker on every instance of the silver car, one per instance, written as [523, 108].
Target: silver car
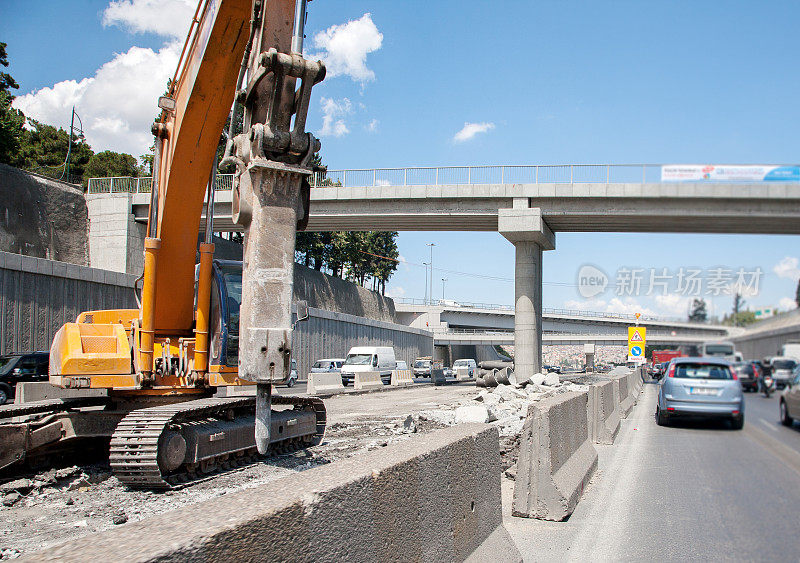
[781, 369]
[700, 387]
[790, 400]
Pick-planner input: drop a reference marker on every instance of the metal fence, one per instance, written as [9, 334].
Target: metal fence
[127, 184]
[441, 175]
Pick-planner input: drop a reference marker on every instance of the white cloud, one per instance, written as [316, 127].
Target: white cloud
[332, 112]
[344, 48]
[628, 306]
[787, 268]
[372, 126]
[117, 105]
[673, 305]
[395, 292]
[470, 130]
[168, 18]
[787, 303]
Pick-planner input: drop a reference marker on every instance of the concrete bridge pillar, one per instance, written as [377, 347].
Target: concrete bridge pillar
[525, 228]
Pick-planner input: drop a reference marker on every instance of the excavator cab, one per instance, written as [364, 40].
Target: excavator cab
[226, 298]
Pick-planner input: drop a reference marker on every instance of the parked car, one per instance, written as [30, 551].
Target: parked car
[16, 368]
[401, 364]
[466, 363]
[369, 358]
[790, 400]
[327, 365]
[748, 375]
[448, 372]
[422, 367]
[700, 387]
[781, 369]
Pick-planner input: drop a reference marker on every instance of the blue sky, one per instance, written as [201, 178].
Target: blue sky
[552, 82]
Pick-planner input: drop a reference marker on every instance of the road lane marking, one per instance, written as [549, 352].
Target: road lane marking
[780, 450]
[769, 425]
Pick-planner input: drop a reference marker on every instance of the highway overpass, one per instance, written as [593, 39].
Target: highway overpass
[526, 204]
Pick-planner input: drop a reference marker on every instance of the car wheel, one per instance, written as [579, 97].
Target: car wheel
[737, 423]
[661, 418]
[3, 396]
[786, 420]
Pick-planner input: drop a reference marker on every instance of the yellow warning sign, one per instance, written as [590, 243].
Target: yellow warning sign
[637, 338]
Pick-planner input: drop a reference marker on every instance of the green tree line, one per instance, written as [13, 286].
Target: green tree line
[32, 145]
[361, 257]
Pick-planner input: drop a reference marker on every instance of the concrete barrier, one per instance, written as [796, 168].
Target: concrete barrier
[437, 377]
[402, 377]
[462, 374]
[556, 458]
[435, 497]
[364, 380]
[327, 383]
[626, 398]
[603, 412]
[27, 392]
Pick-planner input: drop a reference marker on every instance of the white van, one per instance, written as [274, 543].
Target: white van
[466, 363]
[369, 358]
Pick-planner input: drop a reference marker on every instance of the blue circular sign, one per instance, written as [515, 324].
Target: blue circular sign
[636, 351]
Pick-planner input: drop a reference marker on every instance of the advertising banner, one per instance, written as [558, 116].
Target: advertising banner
[729, 173]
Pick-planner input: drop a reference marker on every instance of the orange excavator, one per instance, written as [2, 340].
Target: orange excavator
[217, 324]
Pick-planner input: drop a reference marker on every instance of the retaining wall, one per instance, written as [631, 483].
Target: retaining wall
[37, 296]
[432, 498]
[327, 334]
[556, 458]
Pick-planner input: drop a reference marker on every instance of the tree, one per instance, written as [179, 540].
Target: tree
[797, 294]
[11, 120]
[738, 304]
[110, 163]
[699, 314]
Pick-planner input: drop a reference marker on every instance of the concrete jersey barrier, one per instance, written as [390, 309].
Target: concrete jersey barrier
[365, 380]
[626, 399]
[330, 382]
[556, 458]
[462, 374]
[603, 412]
[401, 377]
[435, 497]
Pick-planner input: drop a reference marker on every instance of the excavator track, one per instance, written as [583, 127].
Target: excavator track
[145, 438]
[48, 406]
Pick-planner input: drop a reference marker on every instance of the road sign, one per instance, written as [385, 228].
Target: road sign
[637, 338]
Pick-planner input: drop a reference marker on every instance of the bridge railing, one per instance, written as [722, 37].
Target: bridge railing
[439, 175]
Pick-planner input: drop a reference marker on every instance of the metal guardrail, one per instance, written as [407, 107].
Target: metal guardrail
[143, 185]
[440, 175]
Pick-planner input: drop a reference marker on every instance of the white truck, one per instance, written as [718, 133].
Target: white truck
[791, 349]
[369, 358]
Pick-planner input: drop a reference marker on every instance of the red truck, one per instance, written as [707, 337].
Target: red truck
[661, 356]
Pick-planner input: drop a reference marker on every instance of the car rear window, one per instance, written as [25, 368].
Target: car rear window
[783, 364]
[702, 371]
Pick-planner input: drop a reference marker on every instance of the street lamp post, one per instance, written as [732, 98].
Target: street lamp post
[426, 264]
[443, 282]
[431, 244]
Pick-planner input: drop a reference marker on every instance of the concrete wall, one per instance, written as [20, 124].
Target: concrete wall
[37, 296]
[116, 241]
[335, 294]
[765, 338]
[41, 217]
[432, 498]
[328, 334]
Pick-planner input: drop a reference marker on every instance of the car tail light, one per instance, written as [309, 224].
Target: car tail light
[733, 373]
[735, 412]
[672, 370]
[670, 408]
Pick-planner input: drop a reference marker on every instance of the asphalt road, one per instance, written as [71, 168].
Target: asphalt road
[685, 492]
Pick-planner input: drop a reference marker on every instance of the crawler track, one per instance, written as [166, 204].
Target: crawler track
[141, 437]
